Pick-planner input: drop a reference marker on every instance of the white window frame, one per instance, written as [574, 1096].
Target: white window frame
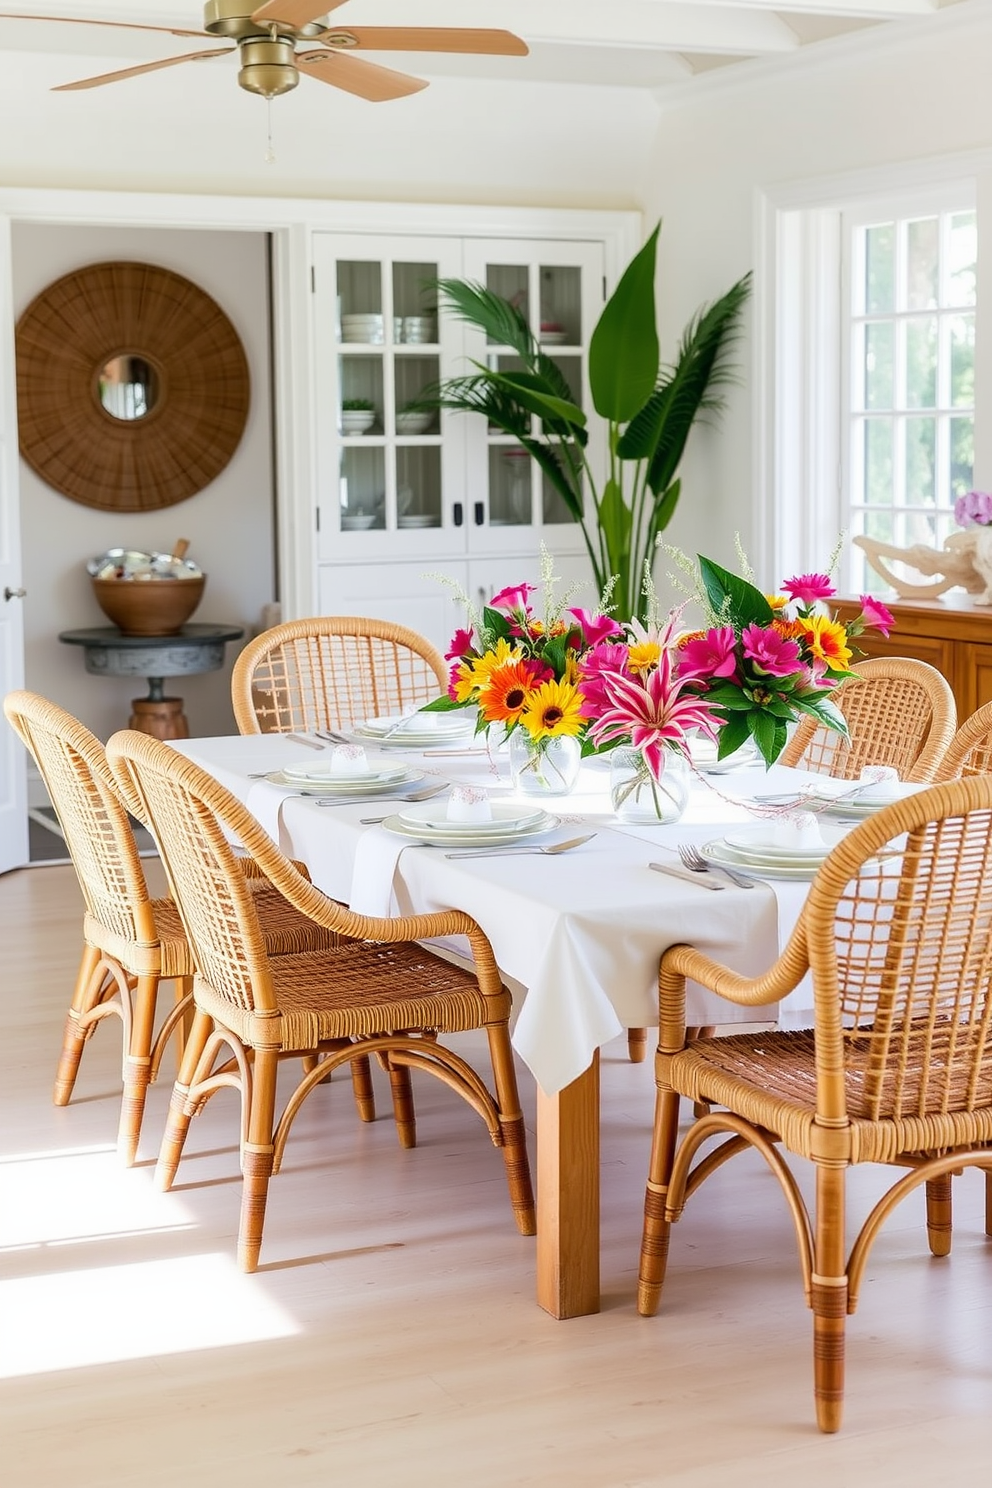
[931, 202]
[799, 375]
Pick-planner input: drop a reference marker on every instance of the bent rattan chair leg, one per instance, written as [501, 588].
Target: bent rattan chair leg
[86, 991]
[657, 1229]
[257, 1157]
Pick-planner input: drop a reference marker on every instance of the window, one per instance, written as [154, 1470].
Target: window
[910, 395]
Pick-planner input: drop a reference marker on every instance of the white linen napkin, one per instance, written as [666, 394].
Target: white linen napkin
[265, 802]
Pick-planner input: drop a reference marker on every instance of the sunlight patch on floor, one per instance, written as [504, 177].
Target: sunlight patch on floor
[56, 1198]
[74, 1319]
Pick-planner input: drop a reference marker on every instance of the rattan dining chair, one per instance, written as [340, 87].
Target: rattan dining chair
[970, 751]
[899, 712]
[377, 987]
[897, 932]
[131, 942]
[330, 672]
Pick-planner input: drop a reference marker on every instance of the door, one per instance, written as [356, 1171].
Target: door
[559, 287]
[13, 760]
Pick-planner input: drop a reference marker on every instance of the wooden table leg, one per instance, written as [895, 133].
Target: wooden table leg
[568, 1197]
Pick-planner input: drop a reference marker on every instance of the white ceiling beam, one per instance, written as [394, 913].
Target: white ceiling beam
[672, 25]
[855, 9]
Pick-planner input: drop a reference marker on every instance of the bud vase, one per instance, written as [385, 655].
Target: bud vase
[544, 767]
[636, 795]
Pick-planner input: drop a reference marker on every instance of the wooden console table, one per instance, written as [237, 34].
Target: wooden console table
[954, 637]
[196, 648]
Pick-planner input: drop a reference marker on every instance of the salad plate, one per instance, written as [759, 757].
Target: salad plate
[441, 835]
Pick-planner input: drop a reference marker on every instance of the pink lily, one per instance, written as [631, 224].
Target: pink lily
[654, 714]
[595, 628]
[876, 614]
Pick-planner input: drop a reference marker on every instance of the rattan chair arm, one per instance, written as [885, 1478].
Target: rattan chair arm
[682, 961]
[283, 875]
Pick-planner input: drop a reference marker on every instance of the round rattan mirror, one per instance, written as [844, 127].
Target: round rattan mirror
[132, 387]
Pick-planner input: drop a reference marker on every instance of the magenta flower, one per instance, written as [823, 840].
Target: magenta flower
[513, 600]
[595, 628]
[653, 712]
[605, 659]
[808, 588]
[461, 645]
[770, 652]
[875, 614]
[710, 655]
[973, 509]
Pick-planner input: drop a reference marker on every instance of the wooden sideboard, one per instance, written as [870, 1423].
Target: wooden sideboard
[956, 638]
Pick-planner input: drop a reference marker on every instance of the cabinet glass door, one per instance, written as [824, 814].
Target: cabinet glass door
[390, 471]
[558, 287]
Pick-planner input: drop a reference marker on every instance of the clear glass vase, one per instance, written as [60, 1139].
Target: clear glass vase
[636, 795]
[544, 767]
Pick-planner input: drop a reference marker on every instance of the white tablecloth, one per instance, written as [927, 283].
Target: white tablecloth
[582, 932]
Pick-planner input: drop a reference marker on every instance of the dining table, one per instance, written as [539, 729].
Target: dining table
[578, 935]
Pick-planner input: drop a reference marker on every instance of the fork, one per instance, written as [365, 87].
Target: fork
[693, 859]
[551, 851]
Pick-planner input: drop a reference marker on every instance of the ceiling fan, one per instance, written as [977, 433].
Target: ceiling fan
[267, 36]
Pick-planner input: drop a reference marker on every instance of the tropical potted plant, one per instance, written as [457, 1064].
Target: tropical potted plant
[649, 408]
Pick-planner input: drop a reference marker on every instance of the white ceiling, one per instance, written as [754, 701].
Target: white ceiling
[630, 44]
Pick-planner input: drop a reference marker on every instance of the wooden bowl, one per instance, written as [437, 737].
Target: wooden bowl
[149, 607]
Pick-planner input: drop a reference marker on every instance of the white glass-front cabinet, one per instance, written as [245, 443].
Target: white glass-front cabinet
[405, 494]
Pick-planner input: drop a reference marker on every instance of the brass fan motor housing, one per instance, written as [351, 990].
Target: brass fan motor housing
[234, 18]
[268, 67]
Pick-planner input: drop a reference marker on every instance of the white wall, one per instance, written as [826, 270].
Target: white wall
[847, 109]
[229, 524]
[192, 129]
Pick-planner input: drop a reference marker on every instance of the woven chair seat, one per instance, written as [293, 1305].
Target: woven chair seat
[770, 1079]
[359, 989]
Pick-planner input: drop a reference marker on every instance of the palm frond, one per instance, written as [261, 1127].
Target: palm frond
[503, 323]
[704, 365]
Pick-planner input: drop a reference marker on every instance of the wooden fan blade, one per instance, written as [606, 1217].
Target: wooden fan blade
[294, 12]
[128, 72]
[8, 15]
[365, 79]
[430, 39]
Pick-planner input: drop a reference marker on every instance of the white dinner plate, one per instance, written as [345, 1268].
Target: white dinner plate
[464, 839]
[865, 804]
[718, 852]
[429, 816]
[417, 730]
[756, 842]
[373, 775]
[350, 787]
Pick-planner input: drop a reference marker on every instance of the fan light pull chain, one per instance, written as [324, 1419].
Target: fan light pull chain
[270, 154]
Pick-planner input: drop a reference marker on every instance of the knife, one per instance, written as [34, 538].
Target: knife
[699, 879]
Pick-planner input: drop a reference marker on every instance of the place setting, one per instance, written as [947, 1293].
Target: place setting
[469, 819]
[791, 845]
[348, 776]
[413, 731]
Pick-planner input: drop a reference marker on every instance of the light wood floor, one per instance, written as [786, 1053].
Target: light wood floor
[391, 1335]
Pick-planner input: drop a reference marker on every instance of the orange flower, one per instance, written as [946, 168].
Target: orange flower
[827, 641]
[789, 630]
[506, 693]
[687, 636]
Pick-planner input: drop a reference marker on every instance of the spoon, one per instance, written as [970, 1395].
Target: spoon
[551, 851]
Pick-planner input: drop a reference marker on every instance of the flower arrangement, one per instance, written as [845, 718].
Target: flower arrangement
[764, 661]
[973, 509]
[520, 669]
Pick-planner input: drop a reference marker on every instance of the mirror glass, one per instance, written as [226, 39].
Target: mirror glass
[128, 386]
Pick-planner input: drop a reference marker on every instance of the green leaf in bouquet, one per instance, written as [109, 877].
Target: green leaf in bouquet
[768, 733]
[733, 736]
[496, 624]
[737, 602]
[441, 705]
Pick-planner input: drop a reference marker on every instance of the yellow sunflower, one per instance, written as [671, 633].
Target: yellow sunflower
[827, 640]
[554, 709]
[491, 661]
[463, 682]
